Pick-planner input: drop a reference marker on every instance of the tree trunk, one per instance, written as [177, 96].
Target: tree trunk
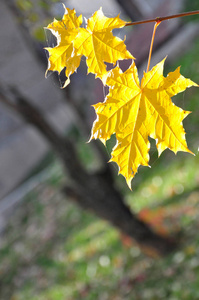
[106, 202]
[94, 192]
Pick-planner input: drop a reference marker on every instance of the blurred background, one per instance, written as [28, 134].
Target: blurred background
[55, 241]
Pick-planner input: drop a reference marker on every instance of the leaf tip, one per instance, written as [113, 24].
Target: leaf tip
[66, 83]
[64, 7]
[129, 183]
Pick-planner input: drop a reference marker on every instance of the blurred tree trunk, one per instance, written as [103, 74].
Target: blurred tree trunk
[95, 192]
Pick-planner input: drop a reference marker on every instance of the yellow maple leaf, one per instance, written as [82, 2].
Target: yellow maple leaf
[135, 111]
[64, 54]
[96, 42]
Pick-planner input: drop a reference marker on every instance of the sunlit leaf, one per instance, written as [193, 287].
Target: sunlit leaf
[135, 111]
[96, 42]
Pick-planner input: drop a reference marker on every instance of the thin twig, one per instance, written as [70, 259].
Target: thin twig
[151, 46]
[160, 19]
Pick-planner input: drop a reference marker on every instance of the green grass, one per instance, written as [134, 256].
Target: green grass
[61, 252]
[53, 250]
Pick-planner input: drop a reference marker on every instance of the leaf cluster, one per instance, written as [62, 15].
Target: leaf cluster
[132, 110]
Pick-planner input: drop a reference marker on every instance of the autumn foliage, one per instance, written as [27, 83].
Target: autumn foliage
[132, 110]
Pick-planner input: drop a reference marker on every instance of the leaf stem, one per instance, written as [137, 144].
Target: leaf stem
[152, 40]
[160, 19]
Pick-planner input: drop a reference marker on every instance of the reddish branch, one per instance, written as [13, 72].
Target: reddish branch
[160, 19]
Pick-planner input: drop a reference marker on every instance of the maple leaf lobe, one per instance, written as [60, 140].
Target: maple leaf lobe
[64, 55]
